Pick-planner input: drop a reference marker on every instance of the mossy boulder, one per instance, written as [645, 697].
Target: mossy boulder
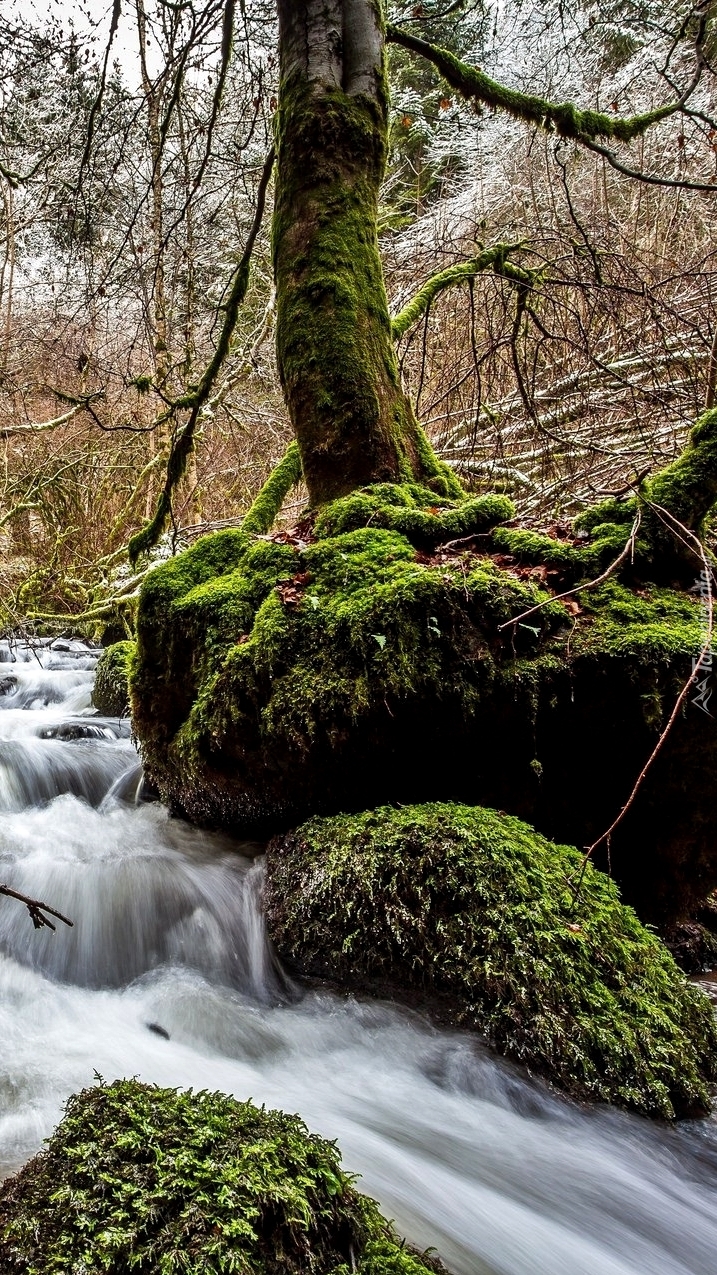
[338, 669]
[110, 694]
[471, 913]
[138, 1178]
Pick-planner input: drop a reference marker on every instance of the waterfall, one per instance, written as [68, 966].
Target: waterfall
[167, 975]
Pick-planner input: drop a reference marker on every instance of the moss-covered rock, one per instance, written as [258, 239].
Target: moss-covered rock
[152, 1180]
[312, 673]
[472, 911]
[687, 490]
[415, 512]
[110, 694]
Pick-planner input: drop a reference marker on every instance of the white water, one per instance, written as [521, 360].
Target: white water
[463, 1151]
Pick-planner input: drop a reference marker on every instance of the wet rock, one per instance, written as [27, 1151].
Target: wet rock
[471, 912]
[135, 1175]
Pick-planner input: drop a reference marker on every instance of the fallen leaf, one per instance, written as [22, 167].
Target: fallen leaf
[289, 594]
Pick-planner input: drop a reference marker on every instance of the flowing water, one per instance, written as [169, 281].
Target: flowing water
[166, 975]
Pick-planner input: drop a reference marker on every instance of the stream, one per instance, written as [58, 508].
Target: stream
[166, 975]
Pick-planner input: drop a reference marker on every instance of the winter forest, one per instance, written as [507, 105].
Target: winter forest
[358, 522]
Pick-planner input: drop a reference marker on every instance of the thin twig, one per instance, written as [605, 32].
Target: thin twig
[591, 584]
[36, 909]
[708, 577]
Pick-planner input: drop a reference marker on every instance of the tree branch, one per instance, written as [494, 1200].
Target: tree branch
[493, 258]
[563, 118]
[36, 909]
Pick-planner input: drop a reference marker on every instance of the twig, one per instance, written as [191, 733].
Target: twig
[36, 909]
[591, 584]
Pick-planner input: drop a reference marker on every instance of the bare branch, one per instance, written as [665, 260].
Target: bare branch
[37, 909]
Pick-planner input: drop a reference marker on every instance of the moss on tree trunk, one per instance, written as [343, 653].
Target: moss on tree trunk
[353, 421]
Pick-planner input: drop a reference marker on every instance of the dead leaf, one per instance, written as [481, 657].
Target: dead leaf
[289, 594]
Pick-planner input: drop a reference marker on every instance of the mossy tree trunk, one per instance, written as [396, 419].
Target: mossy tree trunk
[353, 422]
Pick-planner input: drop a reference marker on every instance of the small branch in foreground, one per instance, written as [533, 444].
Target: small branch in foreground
[494, 258]
[36, 909]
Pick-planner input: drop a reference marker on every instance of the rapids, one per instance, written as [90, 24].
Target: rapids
[167, 975]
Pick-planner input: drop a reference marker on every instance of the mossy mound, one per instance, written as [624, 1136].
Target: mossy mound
[110, 694]
[137, 1178]
[472, 910]
[322, 671]
[425, 519]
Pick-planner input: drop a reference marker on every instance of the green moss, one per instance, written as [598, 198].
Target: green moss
[358, 669]
[656, 625]
[367, 620]
[412, 511]
[473, 907]
[110, 694]
[535, 547]
[563, 118]
[260, 518]
[612, 511]
[687, 488]
[573, 562]
[153, 1180]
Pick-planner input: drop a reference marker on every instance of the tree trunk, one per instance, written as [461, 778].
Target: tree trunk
[353, 422]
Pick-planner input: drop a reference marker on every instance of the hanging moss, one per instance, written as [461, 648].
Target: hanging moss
[153, 1180]
[110, 694]
[470, 910]
[260, 518]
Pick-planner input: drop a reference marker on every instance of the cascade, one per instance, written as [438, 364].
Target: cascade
[167, 975]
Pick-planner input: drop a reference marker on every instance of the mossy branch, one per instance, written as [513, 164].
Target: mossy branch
[563, 118]
[287, 474]
[491, 259]
[183, 440]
